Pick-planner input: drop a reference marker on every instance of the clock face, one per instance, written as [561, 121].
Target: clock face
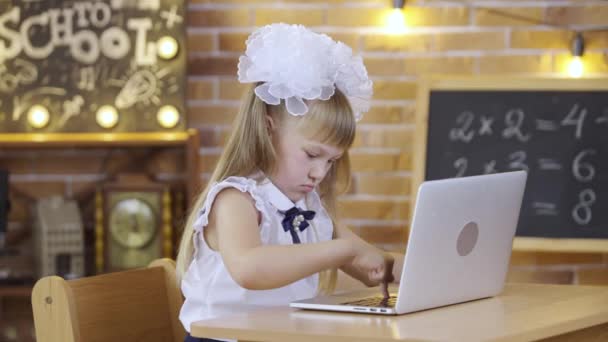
[132, 223]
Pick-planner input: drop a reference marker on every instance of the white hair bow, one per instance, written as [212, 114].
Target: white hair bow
[295, 64]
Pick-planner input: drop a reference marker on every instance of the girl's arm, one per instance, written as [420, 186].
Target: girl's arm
[343, 232]
[260, 267]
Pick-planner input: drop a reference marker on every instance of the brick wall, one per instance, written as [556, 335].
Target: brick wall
[445, 37]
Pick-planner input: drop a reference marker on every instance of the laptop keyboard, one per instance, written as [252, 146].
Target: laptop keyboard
[378, 301]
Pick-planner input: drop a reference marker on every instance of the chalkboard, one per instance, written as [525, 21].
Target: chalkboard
[556, 129]
[78, 57]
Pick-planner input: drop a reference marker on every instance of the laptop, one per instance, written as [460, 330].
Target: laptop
[458, 250]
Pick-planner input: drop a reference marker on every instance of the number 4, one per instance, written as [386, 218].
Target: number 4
[572, 119]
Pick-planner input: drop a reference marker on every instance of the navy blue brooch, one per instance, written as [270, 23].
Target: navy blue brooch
[296, 220]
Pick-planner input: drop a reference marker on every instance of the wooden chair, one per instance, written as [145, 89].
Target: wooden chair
[129, 306]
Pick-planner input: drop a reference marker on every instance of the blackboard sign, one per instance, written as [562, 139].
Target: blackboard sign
[556, 129]
[76, 60]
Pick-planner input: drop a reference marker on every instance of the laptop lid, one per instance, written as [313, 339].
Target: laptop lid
[460, 240]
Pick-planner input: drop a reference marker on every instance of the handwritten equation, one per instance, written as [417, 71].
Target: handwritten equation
[561, 140]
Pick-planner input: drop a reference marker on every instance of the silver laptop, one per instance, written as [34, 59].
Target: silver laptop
[458, 250]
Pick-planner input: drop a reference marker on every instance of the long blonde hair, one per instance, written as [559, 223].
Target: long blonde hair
[250, 149]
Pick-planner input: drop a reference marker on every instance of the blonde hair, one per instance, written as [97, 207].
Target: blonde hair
[249, 149]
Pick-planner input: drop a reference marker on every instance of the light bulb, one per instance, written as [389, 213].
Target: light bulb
[167, 47]
[576, 67]
[38, 116]
[106, 116]
[395, 22]
[167, 116]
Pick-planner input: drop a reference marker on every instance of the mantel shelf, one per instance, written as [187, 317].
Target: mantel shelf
[188, 140]
[38, 140]
[15, 290]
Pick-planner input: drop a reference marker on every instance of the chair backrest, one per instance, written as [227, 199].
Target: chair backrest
[135, 305]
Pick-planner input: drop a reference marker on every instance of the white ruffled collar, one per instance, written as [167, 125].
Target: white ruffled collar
[277, 198]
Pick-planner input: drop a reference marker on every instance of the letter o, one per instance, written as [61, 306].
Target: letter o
[77, 47]
[106, 14]
[114, 43]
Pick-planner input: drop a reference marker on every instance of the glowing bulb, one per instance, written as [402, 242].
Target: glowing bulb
[395, 22]
[167, 47]
[167, 116]
[576, 67]
[38, 116]
[106, 116]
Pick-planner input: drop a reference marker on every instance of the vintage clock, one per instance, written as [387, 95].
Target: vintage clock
[133, 223]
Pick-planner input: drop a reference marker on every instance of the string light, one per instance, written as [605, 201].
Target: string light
[395, 21]
[167, 47]
[576, 67]
[38, 116]
[168, 116]
[106, 116]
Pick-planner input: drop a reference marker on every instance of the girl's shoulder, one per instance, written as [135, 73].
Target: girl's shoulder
[245, 184]
[248, 186]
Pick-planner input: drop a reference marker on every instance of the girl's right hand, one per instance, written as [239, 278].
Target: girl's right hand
[372, 263]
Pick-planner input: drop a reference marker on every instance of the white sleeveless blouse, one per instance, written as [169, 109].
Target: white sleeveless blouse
[208, 288]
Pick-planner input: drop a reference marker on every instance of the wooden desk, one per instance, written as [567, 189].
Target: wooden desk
[522, 312]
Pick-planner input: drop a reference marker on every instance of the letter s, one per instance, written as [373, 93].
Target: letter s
[14, 48]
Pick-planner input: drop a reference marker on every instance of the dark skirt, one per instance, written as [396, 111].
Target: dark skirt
[196, 339]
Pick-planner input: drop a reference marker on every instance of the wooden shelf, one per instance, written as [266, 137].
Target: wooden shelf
[29, 140]
[188, 140]
[16, 290]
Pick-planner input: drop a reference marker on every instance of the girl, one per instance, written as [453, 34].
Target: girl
[263, 231]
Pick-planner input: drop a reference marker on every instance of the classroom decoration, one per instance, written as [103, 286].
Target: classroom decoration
[133, 223]
[91, 66]
[556, 129]
[58, 238]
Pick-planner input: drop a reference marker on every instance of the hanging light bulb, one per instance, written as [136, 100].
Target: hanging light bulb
[106, 116]
[576, 67]
[395, 22]
[167, 47]
[167, 116]
[38, 116]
